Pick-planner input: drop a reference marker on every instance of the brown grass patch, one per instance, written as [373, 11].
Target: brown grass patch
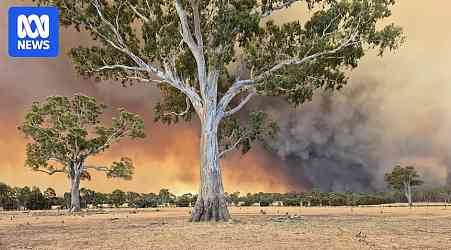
[274, 228]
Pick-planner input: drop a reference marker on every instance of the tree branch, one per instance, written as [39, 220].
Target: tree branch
[139, 14]
[197, 23]
[234, 90]
[241, 85]
[98, 168]
[57, 160]
[182, 113]
[296, 61]
[50, 171]
[169, 77]
[284, 5]
[185, 30]
[196, 48]
[120, 66]
[241, 104]
[225, 151]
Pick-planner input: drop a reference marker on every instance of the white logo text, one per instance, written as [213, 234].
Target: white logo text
[24, 26]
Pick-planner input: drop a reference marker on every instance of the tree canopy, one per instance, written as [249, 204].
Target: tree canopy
[66, 131]
[182, 45]
[401, 176]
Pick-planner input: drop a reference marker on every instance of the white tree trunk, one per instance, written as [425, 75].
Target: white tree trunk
[211, 203]
[408, 193]
[409, 188]
[74, 193]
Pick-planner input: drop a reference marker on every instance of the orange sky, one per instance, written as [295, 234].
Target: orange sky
[415, 90]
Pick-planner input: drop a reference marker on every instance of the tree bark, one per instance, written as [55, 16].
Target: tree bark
[408, 193]
[211, 203]
[74, 194]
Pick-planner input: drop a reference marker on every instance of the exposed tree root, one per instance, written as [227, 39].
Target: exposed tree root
[211, 209]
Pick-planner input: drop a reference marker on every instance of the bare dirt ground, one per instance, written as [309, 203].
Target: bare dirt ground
[252, 228]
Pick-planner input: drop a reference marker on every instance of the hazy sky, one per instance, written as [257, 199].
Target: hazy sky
[406, 96]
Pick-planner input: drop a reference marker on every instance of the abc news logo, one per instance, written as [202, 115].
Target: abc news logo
[33, 31]
[24, 30]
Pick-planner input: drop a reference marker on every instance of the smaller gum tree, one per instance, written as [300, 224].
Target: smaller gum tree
[66, 131]
[403, 179]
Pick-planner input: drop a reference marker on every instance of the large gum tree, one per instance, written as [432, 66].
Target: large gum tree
[210, 57]
[66, 131]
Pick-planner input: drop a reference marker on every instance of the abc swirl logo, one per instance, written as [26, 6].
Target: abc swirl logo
[24, 26]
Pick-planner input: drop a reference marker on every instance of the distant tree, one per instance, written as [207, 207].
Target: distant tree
[50, 196]
[131, 197]
[36, 200]
[316, 197]
[49, 193]
[59, 201]
[22, 196]
[291, 202]
[7, 200]
[146, 200]
[210, 58]
[337, 199]
[249, 199]
[67, 200]
[235, 198]
[184, 200]
[403, 179]
[166, 197]
[4, 193]
[4, 190]
[118, 197]
[101, 198]
[87, 196]
[66, 131]
[445, 194]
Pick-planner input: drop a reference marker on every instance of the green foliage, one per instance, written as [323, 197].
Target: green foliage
[330, 25]
[185, 200]
[164, 196]
[7, 197]
[49, 193]
[23, 198]
[65, 131]
[234, 198]
[176, 102]
[37, 200]
[15, 197]
[140, 41]
[145, 200]
[50, 196]
[257, 127]
[123, 169]
[87, 196]
[118, 197]
[401, 176]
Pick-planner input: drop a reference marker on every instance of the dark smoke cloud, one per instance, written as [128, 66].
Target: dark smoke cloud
[347, 140]
[329, 141]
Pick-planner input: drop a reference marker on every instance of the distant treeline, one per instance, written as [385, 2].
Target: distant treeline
[16, 198]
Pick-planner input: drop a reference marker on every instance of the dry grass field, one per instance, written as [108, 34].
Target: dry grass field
[252, 228]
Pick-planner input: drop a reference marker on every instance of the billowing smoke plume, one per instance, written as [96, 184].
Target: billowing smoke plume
[330, 140]
[346, 141]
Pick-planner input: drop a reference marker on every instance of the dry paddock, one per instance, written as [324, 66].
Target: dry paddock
[252, 228]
